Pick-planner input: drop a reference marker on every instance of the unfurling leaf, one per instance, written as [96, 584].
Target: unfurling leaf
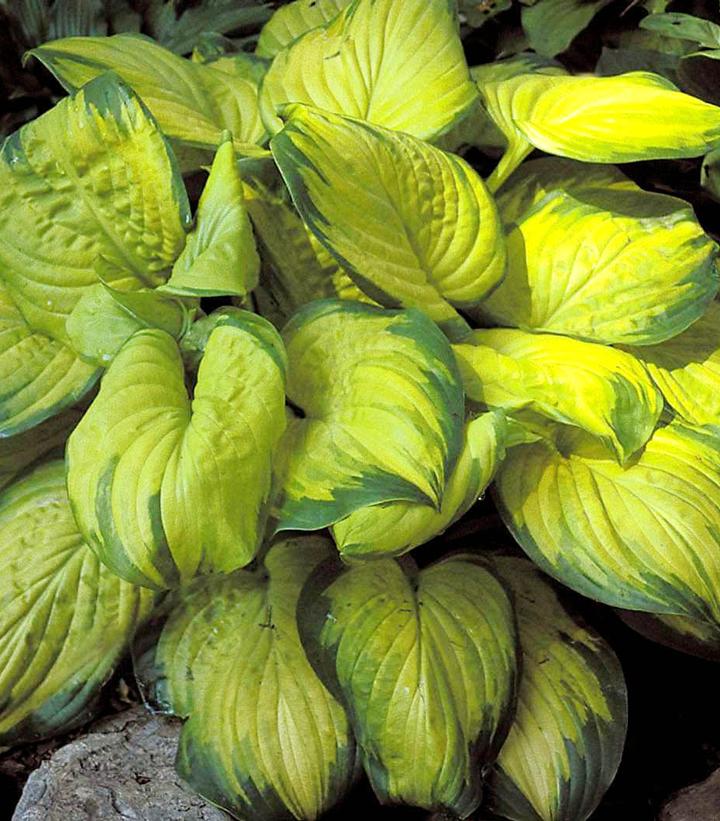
[291, 21]
[66, 619]
[163, 486]
[193, 103]
[567, 737]
[381, 412]
[263, 738]
[412, 225]
[591, 255]
[425, 664]
[90, 185]
[644, 536]
[220, 257]
[394, 528]
[397, 65]
[605, 392]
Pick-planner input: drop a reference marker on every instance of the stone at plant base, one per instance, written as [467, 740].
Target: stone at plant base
[698, 802]
[123, 769]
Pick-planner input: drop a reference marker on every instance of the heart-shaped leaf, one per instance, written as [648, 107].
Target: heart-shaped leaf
[425, 664]
[381, 412]
[164, 486]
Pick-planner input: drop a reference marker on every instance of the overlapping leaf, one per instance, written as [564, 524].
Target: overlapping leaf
[604, 391]
[380, 412]
[192, 103]
[91, 183]
[425, 664]
[644, 536]
[264, 738]
[165, 487]
[291, 21]
[394, 528]
[412, 225]
[398, 65]
[65, 619]
[567, 737]
[603, 262]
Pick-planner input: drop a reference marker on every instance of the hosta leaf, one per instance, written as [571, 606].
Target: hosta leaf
[104, 319]
[686, 368]
[292, 21]
[692, 636]
[606, 263]
[398, 65]
[567, 737]
[606, 392]
[642, 537]
[412, 225]
[39, 376]
[192, 103]
[425, 664]
[296, 267]
[684, 27]
[394, 528]
[165, 487]
[90, 182]
[381, 409]
[579, 117]
[552, 25]
[264, 738]
[220, 257]
[65, 618]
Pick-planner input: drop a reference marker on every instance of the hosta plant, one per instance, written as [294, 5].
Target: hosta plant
[274, 395]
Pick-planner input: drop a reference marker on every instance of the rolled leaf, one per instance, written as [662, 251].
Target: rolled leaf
[40, 376]
[66, 619]
[264, 738]
[293, 20]
[412, 225]
[607, 263]
[380, 409]
[163, 486]
[425, 664]
[90, 185]
[567, 737]
[398, 65]
[605, 392]
[219, 258]
[192, 103]
[394, 528]
[644, 536]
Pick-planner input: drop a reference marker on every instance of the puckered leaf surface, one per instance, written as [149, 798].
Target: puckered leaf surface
[65, 618]
[164, 486]
[425, 664]
[380, 412]
[264, 738]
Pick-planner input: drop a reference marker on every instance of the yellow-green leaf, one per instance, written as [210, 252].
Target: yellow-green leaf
[412, 225]
[606, 392]
[163, 486]
[686, 368]
[566, 741]
[623, 118]
[425, 664]
[39, 376]
[381, 412]
[90, 183]
[220, 257]
[643, 536]
[292, 21]
[264, 739]
[607, 263]
[65, 618]
[398, 65]
[193, 103]
[394, 528]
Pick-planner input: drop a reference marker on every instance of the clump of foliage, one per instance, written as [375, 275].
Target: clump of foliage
[243, 486]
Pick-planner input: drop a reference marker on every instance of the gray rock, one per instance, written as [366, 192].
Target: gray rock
[699, 802]
[123, 769]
